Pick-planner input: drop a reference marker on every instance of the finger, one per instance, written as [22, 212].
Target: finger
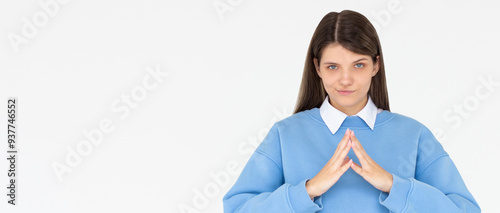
[342, 153]
[363, 157]
[356, 147]
[346, 166]
[357, 168]
[344, 139]
[342, 148]
[355, 139]
[359, 153]
[346, 159]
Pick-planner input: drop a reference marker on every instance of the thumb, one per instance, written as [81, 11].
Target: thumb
[357, 168]
[345, 166]
[346, 160]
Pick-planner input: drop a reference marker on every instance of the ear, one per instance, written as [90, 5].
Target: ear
[376, 66]
[317, 66]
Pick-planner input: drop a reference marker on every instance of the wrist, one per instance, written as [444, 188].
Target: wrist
[310, 189]
[389, 183]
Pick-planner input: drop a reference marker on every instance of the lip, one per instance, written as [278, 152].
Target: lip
[345, 92]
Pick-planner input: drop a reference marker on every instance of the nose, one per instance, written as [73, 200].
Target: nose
[346, 78]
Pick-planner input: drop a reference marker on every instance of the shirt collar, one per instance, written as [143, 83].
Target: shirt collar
[333, 117]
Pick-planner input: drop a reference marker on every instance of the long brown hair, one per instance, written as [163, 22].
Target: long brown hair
[354, 32]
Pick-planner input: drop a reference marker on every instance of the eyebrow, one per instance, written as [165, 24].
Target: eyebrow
[361, 59]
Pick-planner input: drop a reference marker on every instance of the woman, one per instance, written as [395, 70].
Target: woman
[343, 150]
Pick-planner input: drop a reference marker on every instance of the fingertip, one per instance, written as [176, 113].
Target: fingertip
[355, 167]
[346, 166]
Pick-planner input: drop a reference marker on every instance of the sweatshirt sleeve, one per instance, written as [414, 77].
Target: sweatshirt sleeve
[261, 187]
[437, 186]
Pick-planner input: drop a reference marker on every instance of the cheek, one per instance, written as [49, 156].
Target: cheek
[329, 76]
[329, 80]
[364, 82]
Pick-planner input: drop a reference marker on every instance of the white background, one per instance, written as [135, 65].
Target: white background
[232, 74]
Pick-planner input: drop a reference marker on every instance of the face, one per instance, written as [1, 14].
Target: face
[346, 77]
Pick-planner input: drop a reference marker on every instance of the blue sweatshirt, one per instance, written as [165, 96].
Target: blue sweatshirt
[296, 148]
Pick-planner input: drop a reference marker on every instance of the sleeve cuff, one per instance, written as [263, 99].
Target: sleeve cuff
[396, 199]
[299, 200]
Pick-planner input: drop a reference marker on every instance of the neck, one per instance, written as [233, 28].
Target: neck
[352, 110]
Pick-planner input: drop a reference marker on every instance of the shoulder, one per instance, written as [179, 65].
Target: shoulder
[406, 125]
[404, 121]
[412, 126]
[300, 119]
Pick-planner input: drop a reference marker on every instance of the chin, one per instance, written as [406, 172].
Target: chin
[344, 101]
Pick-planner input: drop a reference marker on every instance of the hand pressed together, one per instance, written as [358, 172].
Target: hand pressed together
[339, 163]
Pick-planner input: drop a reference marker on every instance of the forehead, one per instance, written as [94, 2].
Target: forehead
[337, 53]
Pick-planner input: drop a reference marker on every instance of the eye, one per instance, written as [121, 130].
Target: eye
[332, 67]
[359, 65]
